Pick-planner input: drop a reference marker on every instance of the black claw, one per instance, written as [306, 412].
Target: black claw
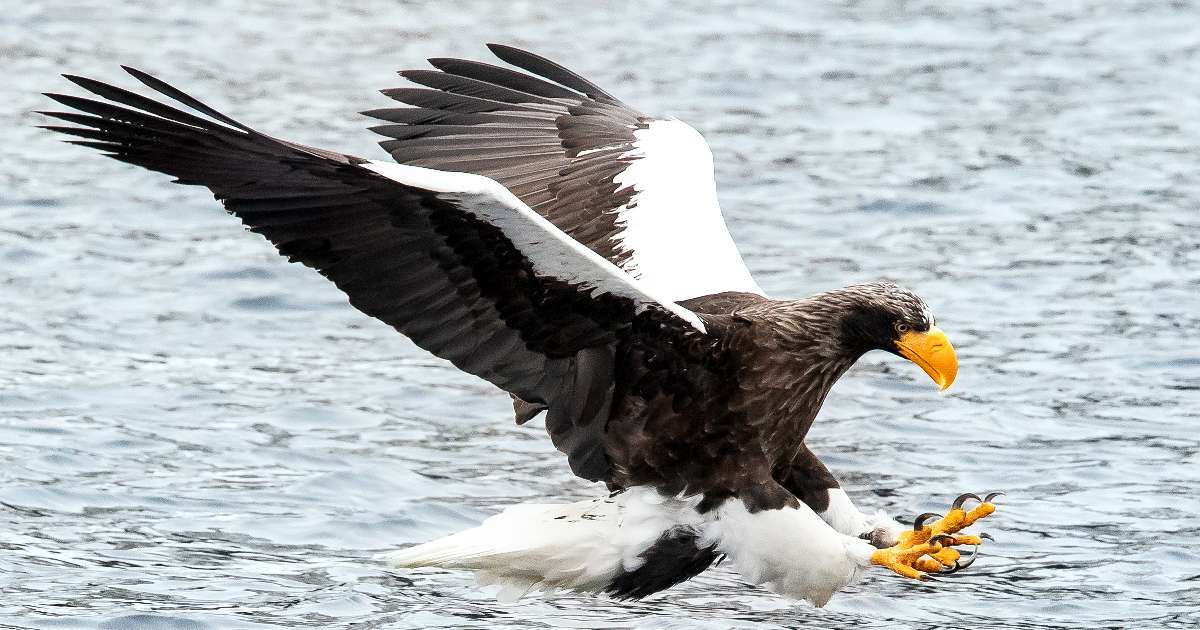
[959, 564]
[991, 496]
[962, 498]
[940, 537]
[987, 536]
[929, 578]
[919, 522]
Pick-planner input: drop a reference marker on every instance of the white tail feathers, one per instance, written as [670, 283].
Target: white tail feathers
[584, 546]
[578, 546]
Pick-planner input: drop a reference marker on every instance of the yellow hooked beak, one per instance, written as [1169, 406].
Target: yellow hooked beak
[932, 351]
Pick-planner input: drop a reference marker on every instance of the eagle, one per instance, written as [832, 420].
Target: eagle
[539, 233]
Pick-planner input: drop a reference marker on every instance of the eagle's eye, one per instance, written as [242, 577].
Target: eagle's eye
[902, 327]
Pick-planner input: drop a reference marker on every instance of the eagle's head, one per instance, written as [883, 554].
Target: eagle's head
[886, 316]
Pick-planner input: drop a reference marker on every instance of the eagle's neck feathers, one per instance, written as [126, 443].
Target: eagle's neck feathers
[796, 354]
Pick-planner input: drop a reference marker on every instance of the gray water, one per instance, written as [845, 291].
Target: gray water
[195, 434]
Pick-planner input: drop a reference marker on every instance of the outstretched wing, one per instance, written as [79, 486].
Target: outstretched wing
[636, 189]
[453, 261]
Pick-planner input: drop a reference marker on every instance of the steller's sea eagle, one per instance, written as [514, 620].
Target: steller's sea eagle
[542, 235]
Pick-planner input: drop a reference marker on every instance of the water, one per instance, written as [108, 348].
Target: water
[195, 434]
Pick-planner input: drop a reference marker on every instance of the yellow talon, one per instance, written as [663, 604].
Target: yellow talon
[953, 522]
[930, 548]
[905, 560]
[928, 565]
[946, 557]
[965, 539]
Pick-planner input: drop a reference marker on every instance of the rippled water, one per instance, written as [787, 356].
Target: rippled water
[195, 434]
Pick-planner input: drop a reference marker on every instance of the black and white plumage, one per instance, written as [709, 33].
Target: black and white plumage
[639, 190]
[542, 235]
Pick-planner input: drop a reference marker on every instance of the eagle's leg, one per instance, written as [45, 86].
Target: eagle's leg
[810, 481]
[914, 561]
[930, 548]
[955, 520]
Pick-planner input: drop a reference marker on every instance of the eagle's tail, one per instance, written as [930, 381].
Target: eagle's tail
[587, 546]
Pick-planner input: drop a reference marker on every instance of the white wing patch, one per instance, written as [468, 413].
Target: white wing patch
[549, 250]
[673, 230]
